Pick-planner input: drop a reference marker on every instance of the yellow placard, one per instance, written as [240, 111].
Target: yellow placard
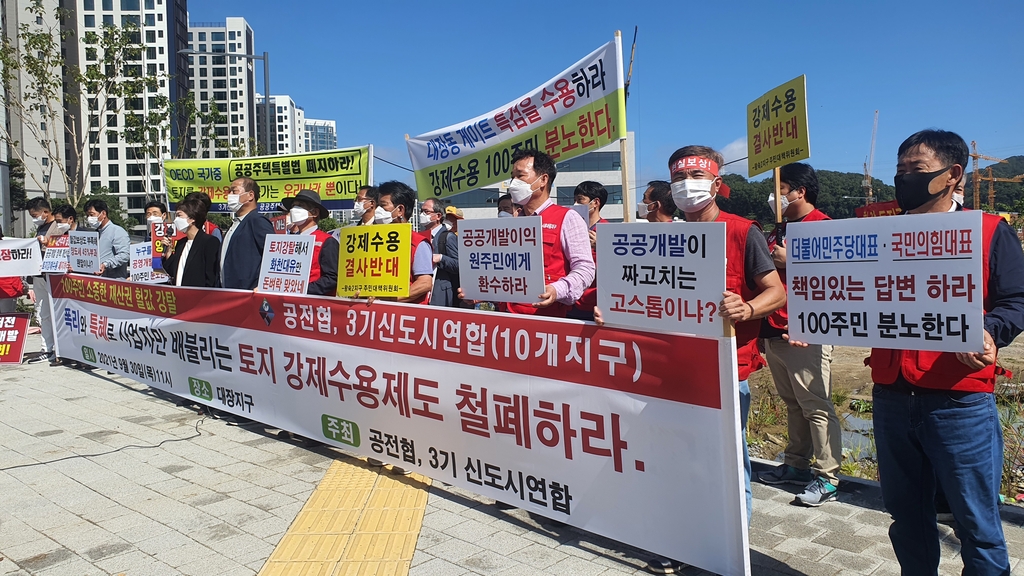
[777, 127]
[375, 260]
[335, 175]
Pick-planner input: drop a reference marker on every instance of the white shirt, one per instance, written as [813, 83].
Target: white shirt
[181, 262]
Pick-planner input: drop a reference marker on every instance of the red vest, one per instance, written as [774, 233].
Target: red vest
[556, 266]
[940, 370]
[10, 287]
[780, 319]
[417, 239]
[748, 359]
[319, 237]
[209, 227]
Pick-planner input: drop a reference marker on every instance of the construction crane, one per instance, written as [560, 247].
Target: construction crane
[992, 186]
[976, 177]
[869, 165]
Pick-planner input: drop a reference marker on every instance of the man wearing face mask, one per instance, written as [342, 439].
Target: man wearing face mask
[803, 376]
[568, 260]
[446, 254]
[394, 204]
[594, 196]
[156, 213]
[657, 204]
[114, 243]
[753, 287]
[305, 211]
[39, 210]
[506, 209]
[242, 249]
[935, 414]
[364, 207]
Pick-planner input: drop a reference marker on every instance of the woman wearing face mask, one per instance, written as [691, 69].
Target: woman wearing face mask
[196, 258]
[304, 210]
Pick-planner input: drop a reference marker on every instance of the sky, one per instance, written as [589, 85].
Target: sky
[383, 69]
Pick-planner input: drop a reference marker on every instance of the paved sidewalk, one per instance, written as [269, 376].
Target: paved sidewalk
[102, 475]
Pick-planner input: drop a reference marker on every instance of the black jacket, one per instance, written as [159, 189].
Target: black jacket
[203, 264]
[245, 252]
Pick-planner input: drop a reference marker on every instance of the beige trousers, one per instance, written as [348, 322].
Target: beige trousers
[803, 377]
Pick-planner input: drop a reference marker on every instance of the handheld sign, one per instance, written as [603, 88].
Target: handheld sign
[20, 257]
[375, 260]
[85, 251]
[502, 259]
[12, 336]
[667, 277]
[286, 261]
[141, 262]
[777, 127]
[913, 282]
[58, 251]
[158, 231]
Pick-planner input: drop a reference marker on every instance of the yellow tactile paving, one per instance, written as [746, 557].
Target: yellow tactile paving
[358, 522]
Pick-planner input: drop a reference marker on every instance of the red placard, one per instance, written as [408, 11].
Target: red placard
[12, 337]
[890, 208]
[280, 224]
[158, 231]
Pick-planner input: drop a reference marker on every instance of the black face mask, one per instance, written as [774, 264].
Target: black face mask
[912, 188]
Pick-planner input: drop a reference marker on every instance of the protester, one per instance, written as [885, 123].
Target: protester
[803, 376]
[365, 205]
[305, 210]
[156, 213]
[506, 209]
[11, 288]
[446, 254]
[935, 416]
[568, 261]
[196, 258]
[114, 244]
[42, 218]
[657, 204]
[209, 227]
[453, 215]
[395, 202]
[594, 196]
[242, 249]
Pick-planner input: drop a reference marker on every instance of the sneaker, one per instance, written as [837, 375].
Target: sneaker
[401, 471]
[41, 357]
[786, 474]
[374, 462]
[817, 493]
[665, 566]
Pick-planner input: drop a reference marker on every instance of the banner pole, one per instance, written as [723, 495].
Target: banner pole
[627, 193]
[778, 195]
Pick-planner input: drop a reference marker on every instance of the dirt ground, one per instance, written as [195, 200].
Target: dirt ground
[851, 380]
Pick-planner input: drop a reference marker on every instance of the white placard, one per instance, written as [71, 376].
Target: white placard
[627, 434]
[911, 282]
[286, 261]
[501, 259]
[667, 277]
[20, 257]
[56, 257]
[142, 262]
[85, 251]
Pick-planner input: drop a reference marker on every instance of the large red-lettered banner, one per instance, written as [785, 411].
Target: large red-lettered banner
[627, 434]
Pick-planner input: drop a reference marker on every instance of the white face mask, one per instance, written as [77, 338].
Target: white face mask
[181, 224]
[233, 202]
[692, 195]
[358, 211]
[154, 219]
[62, 228]
[93, 221]
[425, 218]
[382, 216]
[642, 209]
[298, 215]
[958, 198]
[505, 215]
[771, 202]
[520, 191]
[38, 221]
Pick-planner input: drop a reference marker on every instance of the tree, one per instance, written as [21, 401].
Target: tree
[79, 105]
[115, 211]
[16, 182]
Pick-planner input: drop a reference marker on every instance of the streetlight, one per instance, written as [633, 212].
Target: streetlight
[266, 87]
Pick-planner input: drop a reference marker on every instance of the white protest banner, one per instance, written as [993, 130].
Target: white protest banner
[20, 257]
[286, 261]
[667, 277]
[578, 111]
[912, 282]
[85, 251]
[631, 435]
[58, 252]
[501, 259]
[141, 262]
